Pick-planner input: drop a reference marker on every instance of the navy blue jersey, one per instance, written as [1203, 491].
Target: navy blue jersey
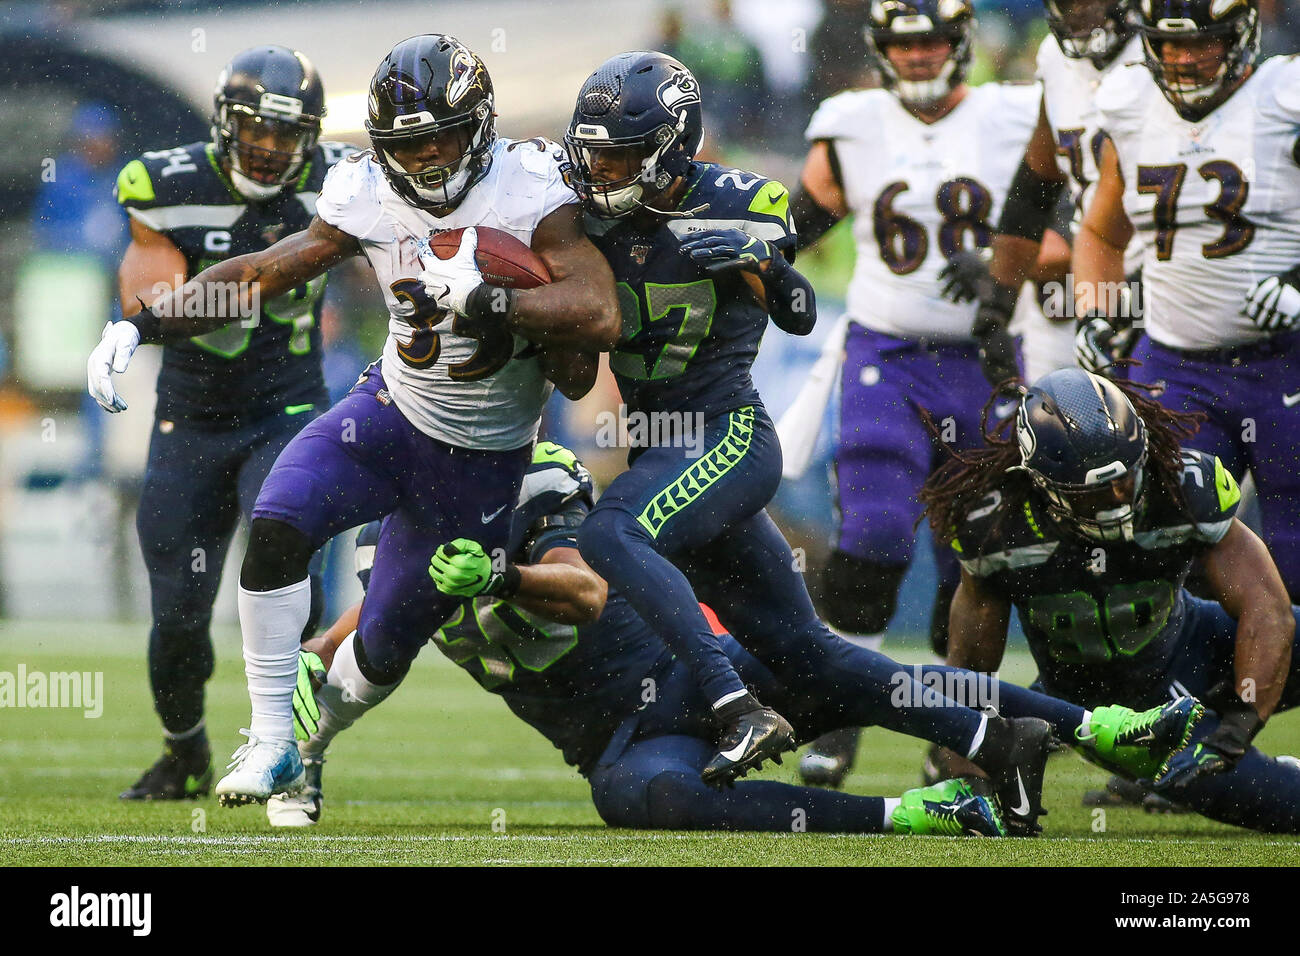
[689, 340]
[575, 685]
[1102, 619]
[244, 371]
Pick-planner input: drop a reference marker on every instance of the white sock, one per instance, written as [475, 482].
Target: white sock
[891, 804]
[272, 623]
[870, 642]
[1085, 728]
[345, 696]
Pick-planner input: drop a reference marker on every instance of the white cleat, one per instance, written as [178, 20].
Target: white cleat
[261, 768]
[301, 809]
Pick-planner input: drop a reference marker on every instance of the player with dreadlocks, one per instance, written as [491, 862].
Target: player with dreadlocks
[1088, 522]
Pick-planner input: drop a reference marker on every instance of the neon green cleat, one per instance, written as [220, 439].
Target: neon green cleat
[948, 808]
[1139, 742]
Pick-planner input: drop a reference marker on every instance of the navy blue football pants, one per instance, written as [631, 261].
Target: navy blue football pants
[197, 483]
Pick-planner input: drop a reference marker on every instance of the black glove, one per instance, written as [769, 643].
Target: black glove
[1100, 342]
[1220, 750]
[996, 347]
[966, 278]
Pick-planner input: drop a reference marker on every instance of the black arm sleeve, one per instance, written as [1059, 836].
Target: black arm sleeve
[790, 299]
[1030, 204]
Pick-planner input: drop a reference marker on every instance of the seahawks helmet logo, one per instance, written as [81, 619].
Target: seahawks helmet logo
[464, 75]
[680, 90]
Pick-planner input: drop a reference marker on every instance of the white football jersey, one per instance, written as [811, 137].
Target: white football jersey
[523, 186]
[919, 194]
[1217, 202]
[1070, 99]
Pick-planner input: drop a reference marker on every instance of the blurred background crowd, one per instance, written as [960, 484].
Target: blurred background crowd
[89, 84]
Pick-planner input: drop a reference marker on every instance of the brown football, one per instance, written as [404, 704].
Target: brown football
[503, 259]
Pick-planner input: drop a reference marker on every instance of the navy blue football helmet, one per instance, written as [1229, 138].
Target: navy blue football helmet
[643, 110]
[1084, 446]
[1091, 29]
[893, 21]
[1192, 89]
[266, 117]
[426, 86]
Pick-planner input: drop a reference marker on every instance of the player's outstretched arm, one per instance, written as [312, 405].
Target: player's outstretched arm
[977, 626]
[819, 202]
[1243, 578]
[233, 288]
[578, 309]
[227, 292]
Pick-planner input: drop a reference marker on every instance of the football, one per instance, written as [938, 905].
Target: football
[503, 259]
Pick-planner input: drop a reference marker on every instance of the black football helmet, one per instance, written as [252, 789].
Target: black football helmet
[1235, 22]
[646, 106]
[266, 116]
[896, 20]
[1091, 29]
[1084, 446]
[426, 86]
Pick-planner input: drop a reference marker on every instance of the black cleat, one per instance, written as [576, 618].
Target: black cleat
[830, 758]
[753, 734]
[175, 776]
[1015, 758]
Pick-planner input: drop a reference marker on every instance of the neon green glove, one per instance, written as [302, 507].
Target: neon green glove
[306, 715]
[462, 569]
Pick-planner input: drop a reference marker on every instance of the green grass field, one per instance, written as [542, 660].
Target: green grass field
[423, 779]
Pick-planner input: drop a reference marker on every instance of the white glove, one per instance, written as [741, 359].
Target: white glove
[450, 281]
[113, 354]
[1274, 303]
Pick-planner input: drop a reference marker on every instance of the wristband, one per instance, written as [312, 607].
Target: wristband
[147, 323]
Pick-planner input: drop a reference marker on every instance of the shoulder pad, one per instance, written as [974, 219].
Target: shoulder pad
[1120, 92]
[1286, 83]
[166, 177]
[1211, 494]
[333, 153]
[349, 198]
[997, 534]
[538, 156]
[842, 115]
[742, 200]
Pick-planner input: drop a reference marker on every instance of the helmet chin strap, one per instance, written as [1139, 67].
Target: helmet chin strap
[251, 189]
[925, 93]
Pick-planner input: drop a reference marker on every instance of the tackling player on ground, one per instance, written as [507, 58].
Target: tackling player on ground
[437, 435]
[571, 658]
[229, 400]
[1087, 523]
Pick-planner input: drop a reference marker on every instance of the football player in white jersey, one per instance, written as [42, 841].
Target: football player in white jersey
[438, 434]
[924, 166]
[1090, 39]
[1201, 159]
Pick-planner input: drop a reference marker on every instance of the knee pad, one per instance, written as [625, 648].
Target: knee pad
[374, 673]
[859, 595]
[278, 556]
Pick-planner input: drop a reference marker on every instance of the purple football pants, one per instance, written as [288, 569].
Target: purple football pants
[1251, 398]
[363, 460]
